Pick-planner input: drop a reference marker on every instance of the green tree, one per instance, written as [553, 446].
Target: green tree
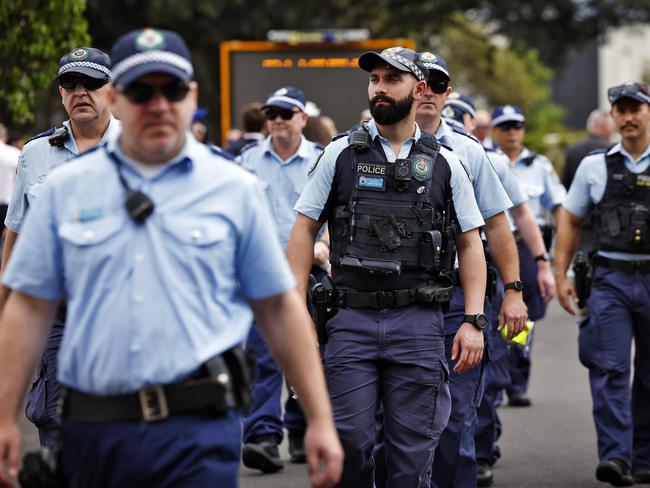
[35, 34]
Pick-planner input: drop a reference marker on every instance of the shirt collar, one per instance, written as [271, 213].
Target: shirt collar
[444, 134]
[371, 126]
[111, 130]
[619, 148]
[303, 151]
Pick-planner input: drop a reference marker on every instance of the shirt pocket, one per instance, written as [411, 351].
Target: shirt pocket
[533, 190]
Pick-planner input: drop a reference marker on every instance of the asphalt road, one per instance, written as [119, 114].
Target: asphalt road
[551, 444]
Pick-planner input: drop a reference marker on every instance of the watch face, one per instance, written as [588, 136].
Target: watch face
[481, 321]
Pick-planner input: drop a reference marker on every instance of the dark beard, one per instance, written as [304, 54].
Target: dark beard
[392, 113]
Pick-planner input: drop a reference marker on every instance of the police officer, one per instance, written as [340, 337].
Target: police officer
[545, 193]
[83, 84]
[282, 161]
[157, 243]
[387, 192]
[455, 463]
[613, 187]
[460, 111]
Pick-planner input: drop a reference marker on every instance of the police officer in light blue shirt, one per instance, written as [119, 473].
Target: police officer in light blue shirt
[82, 78]
[545, 194]
[282, 161]
[159, 247]
[379, 188]
[612, 187]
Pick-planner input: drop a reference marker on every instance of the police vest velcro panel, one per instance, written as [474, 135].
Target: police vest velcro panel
[622, 217]
[397, 227]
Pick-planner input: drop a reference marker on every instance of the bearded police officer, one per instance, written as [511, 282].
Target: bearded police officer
[83, 84]
[282, 161]
[157, 244]
[389, 193]
[545, 194]
[613, 187]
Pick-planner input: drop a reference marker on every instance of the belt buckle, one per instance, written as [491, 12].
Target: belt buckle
[153, 403]
[385, 299]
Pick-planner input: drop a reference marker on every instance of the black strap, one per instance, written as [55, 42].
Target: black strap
[629, 267]
[377, 299]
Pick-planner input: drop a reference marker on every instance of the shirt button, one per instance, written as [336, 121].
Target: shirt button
[196, 234]
[139, 258]
[88, 235]
[137, 298]
[135, 346]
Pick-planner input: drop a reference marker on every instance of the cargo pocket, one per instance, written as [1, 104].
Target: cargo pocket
[441, 403]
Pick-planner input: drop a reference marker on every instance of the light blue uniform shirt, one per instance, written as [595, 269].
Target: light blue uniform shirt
[540, 182]
[37, 159]
[588, 188]
[490, 194]
[285, 179]
[313, 199]
[148, 303]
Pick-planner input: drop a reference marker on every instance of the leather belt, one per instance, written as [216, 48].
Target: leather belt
[377, 299]
[211, 396]
[629, 267]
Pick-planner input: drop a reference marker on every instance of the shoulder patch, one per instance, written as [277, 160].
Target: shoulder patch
[45, 133]
[220, 152]
[248, 146]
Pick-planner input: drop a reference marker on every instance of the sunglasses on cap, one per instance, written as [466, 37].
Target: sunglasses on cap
[438, 86]
[627, 89]
[69, 82]
[506, 126]
[173, 91]
[284, 114]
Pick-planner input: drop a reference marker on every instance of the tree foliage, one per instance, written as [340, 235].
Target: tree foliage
[35, 34]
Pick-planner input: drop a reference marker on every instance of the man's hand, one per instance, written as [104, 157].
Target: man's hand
[565, 290]
[545, 281]
[469, 343]
[9, 452]
[513, 312]
[324, 455]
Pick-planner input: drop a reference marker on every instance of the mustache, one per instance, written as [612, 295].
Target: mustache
[382, 98]
[629, 124]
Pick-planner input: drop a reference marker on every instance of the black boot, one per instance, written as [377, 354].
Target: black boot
[262, 454]
[614, 472]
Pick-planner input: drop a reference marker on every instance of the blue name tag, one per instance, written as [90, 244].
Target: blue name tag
[371, 183]
[88, 214]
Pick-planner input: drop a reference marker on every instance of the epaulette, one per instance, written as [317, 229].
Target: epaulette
[248, 146]
[528, 160]
[318, 146]
[339, 135]
[220, 152]
[465, 133]
[600, 151]
[46, 133]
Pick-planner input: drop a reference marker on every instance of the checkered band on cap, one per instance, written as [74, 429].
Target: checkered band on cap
[281, 98]
[437, 67]
[84, 64]
[409, 64]
[163, 57]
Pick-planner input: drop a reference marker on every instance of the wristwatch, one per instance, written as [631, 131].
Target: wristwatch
[543, 257]
[479, 320]
[514, 285]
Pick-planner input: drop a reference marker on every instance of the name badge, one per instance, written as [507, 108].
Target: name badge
[371, 183]
[371, 176]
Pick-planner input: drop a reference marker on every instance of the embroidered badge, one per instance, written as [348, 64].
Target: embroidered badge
[79, 54]
[150, 39]
[422, 167]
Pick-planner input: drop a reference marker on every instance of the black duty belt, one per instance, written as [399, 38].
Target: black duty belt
[377, 299]
[208, 396]
[629, 267]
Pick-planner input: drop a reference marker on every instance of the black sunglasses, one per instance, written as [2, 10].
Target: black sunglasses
[173, 91]
[438, 86]
[284, 114]
[628, 88]
[69, 83]
[506, 126]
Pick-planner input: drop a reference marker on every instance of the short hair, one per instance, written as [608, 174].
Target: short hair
[252, 118]
[596, 117]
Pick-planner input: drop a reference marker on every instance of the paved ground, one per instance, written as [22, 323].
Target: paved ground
[551, 444]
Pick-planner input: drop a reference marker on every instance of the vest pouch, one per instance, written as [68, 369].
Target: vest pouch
[430, 250]
[371, 266]
[639, 224]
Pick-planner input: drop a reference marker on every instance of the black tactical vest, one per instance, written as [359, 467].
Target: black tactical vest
[392, 225]
[622, 217]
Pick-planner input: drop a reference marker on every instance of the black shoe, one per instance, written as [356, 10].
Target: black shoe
[614, 472]
[483, 474]
[518, 400]
[297, 448]
[641, 474]
[262, 455]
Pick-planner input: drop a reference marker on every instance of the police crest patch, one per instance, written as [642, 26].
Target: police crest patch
[422, 166]
[150, 39]
[79, 54]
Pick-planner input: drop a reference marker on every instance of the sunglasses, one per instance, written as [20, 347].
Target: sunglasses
[629, 88]
[506, 126]
[173, 91]
[284, 114]
[69, 83]
[438, 86]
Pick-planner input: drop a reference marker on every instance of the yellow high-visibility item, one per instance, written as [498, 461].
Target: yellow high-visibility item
[522, 338]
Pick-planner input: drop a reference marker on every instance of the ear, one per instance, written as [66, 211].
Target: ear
[419, 89]
[61, 93]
